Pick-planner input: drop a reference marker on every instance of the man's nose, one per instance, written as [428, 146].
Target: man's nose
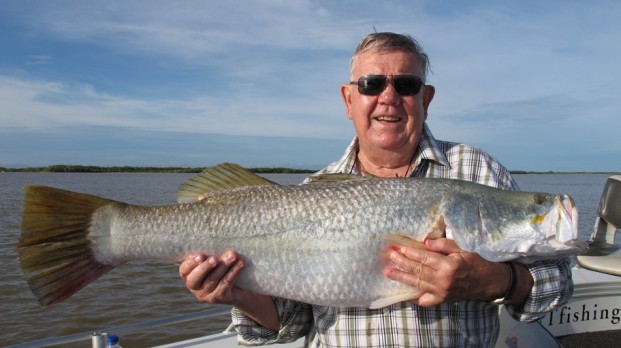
[389, 95]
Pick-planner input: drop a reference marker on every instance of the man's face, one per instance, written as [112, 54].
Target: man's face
[387, 121]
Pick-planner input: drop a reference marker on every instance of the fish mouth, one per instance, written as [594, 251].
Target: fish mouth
[565, 218]
[561, 222]
[570, 212]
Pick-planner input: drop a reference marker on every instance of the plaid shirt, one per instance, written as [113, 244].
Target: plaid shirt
[404, 324]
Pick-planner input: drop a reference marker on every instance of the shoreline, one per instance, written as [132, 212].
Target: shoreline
[65, 168]
[61, 168]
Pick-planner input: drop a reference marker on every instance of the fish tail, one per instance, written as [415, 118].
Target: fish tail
[54, 251]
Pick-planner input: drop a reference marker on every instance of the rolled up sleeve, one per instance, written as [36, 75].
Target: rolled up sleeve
[553, 287]
[295, 321]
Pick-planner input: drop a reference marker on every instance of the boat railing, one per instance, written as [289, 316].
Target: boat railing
[97, 336]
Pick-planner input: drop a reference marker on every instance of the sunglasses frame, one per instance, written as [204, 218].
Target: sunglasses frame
[396, 81]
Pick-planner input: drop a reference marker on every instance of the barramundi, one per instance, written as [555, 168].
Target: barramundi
[322, 243]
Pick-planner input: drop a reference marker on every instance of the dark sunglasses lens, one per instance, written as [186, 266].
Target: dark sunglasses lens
[375, 84]
[371, 84]
[407, 85]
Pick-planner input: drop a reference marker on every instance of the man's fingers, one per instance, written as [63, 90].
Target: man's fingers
[407, 258]
[443, 245]
[221, 291]
[211, 279]
[233, 272]
[200, 274]
[189, 263]
[213, 270]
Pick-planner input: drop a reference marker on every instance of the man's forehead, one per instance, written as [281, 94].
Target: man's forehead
[403, 62]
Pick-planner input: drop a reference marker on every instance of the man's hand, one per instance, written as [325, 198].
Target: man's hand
[212, 280]
[444, 272]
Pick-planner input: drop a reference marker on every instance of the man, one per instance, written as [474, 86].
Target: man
[387, 100]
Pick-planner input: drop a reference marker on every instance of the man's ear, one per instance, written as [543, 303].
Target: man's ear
[428, 92]
[346, 94]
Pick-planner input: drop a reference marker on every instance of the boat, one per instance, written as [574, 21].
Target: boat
[594, 308]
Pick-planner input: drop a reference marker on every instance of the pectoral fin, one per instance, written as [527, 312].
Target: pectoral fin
[413, 293]
[387, 301]
[437, 229]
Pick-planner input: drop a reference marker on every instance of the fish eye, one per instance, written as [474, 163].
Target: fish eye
[539, 198]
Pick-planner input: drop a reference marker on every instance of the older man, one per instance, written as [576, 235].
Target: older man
[387, 100]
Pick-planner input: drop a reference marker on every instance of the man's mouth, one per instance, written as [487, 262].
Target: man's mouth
[387, 118]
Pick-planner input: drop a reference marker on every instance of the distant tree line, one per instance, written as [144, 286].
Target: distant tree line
[68, 168]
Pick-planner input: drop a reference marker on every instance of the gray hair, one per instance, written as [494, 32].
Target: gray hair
[391, 42]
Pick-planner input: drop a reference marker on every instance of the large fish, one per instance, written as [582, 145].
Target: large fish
[319, 243]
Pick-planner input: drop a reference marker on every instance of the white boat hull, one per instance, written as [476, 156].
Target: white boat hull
[595, 305]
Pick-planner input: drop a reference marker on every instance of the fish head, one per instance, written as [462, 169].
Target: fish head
[557, 228]
[560, 221]
[505, 225]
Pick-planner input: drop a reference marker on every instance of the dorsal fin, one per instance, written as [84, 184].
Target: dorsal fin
[335, 177]
[224, 176]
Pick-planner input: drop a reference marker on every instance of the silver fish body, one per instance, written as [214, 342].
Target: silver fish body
[323, 243]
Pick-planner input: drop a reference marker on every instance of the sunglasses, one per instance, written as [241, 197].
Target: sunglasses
[376, 84]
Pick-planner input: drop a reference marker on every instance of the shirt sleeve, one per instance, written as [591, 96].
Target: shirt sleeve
[295, 322]
[552, 287]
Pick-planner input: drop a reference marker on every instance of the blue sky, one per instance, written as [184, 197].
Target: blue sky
[193, 83]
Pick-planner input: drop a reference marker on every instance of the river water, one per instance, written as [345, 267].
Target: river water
[142, 291]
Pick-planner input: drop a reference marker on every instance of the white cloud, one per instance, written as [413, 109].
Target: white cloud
[46, 104]
[190, 29]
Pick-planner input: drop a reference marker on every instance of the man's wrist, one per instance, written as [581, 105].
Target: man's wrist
[513, 281]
